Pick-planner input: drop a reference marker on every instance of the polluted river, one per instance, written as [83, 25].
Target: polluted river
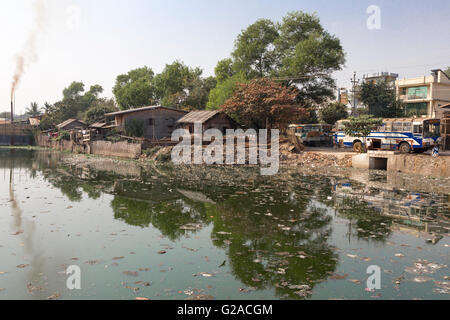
[176, 233]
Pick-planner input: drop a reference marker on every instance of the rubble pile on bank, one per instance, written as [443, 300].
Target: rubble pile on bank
[313, 159]
[290, 157]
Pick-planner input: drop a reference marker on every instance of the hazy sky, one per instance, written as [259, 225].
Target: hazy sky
[95, 40]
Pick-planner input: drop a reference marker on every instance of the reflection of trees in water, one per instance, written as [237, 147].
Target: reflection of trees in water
[367, 223]
[168, 217]
[262, 254]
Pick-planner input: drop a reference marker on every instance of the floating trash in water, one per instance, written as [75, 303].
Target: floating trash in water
[424, 267]
[422, 279]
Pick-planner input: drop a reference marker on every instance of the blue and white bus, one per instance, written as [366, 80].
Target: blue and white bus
[404, 135]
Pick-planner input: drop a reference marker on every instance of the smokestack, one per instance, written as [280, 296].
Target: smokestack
[12, 111]
[12, 120]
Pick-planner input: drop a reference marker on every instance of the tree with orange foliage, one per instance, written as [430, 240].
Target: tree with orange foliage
[263, 103]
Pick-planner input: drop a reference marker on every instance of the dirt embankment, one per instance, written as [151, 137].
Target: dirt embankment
[313, 159]
[289, 156]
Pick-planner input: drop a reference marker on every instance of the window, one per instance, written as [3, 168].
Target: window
[382, 128]
[407, 126]
[397, 126]
[418, 129]
[416, 109]
[151, 122]
[388, 126]
[418, 93]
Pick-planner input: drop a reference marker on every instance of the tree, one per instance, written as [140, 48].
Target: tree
[75, 101]
[182, 87]
[74, 104]
[313, 118]
[298, 51]
[380, 99]
[333, 112]
[5, 115]
[198, 92]
[305, 47]
[98, 110]
[135, 89]
[263, 103]
[447, 71]
[310, 64]
[33, 110]
[73, 91]
[48, 107]
[224, 70]
[254, 53]
[223, 91]
[361, 127]
[91, 97]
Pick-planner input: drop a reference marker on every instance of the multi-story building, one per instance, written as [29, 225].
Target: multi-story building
[380, 76]
[425, 96]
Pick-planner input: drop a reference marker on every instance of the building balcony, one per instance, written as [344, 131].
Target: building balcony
[413, 98]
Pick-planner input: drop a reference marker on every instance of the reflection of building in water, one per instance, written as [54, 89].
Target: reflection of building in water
[423, 212]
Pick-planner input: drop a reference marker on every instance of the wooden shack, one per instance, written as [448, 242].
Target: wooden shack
[208, 120]
[158, 122]
[71, 124]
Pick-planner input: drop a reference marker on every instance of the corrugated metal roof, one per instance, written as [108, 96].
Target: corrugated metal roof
[67, 122]
[98, 125]
[198, 116]
[141, 109]
[34, 121]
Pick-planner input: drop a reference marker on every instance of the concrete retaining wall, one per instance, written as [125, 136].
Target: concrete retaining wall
[121, 149]
[421, 164]
[407, 163]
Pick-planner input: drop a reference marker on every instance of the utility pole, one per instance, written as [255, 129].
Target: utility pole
[354, 83]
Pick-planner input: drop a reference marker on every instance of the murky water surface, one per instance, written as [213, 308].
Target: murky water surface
[223, 233]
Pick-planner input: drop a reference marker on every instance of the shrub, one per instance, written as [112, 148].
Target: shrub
[64, 135]
[164, 157]
[152, 151]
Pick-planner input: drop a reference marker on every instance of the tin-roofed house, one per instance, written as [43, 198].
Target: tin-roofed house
[208, 120]
[71, 124]
[156, 122]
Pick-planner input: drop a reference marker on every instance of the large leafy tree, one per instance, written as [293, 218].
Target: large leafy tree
[263, 103]
[98, 110]
[333, 112]
[254, 53]
[74, 104]
[380, 99]
[224, 90]
[180, 86]
[75, 101]
[224, 70]
[298, 51]
[135, 89]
